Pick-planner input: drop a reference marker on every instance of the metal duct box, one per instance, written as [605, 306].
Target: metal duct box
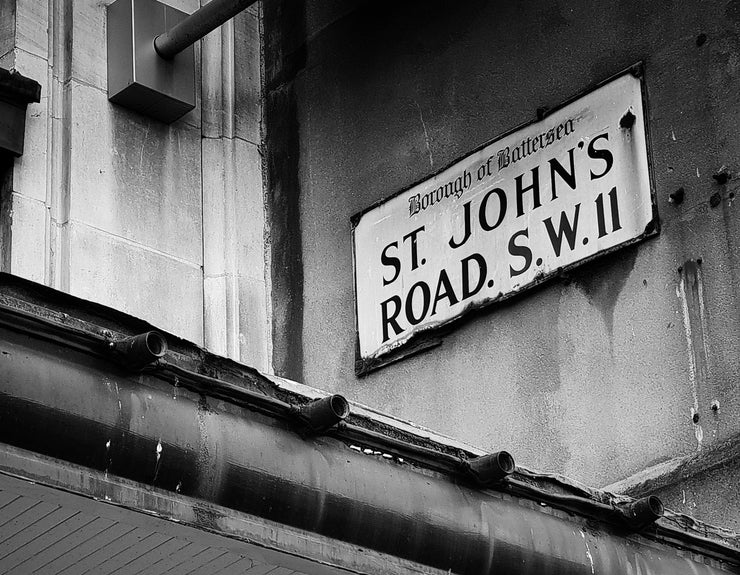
[16, 92]
[138, 78]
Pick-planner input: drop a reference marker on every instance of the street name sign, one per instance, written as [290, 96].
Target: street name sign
[543, 198]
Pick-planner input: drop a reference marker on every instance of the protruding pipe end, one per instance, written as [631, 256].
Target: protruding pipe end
[138, 351]
[492, 468]
[642, 512]
[324, 413]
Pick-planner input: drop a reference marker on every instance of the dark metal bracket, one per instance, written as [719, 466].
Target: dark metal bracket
[16, 92]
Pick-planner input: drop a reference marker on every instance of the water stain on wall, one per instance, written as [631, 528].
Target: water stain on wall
[603, 280]
[690, 292]
[537, 383]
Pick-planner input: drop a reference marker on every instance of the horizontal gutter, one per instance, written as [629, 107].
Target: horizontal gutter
[239, 445]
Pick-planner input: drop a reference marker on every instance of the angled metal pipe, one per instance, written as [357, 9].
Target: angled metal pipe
[137, 352]
[197, 25]
[324, 413]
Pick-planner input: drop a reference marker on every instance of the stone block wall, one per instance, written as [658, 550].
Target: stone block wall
[165, 222]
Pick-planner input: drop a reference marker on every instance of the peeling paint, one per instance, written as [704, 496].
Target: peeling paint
[690, 292]
[159, 459]
[588, 552]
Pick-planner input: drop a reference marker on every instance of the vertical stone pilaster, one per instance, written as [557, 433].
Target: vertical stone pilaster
[236, 307]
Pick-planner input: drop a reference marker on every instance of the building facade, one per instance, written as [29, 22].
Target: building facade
[619, 365]
[233, 227]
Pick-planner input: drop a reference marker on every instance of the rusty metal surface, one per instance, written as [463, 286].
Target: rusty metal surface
[70, 405]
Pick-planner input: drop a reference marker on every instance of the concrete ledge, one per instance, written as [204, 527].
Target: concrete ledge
[678, 469]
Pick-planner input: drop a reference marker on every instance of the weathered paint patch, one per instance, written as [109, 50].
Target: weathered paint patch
[603, 280]
[690, 292]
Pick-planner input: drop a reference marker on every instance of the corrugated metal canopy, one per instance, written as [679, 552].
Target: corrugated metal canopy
[63, 519]
[49, 532]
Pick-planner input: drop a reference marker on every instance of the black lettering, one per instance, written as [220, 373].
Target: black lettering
[448, 293]
[390, 321]
[520, 251]
[425, 294]
[501, 209]
[467, 179]
[390, 261]
[414, 205]
[466, 218]
[565, 229]
[600, 221]
[600, 216]
[481, 172]
[503, 158]
[458, 186]
[600, 154]
[482, 270]
[535, 187]
[414, 250]
[616, 225]
[568, 177]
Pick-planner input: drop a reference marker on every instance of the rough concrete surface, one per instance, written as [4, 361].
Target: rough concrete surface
[596, 376]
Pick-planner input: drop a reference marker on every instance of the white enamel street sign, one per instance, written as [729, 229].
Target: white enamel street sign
[549, 195]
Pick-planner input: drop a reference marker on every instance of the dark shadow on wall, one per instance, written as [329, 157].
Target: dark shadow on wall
[6, 207]
[602, 281]
[284, 57]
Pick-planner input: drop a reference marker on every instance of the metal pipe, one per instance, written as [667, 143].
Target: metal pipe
[197, 25]
[137, 352]
[324, 413]
[491, 468]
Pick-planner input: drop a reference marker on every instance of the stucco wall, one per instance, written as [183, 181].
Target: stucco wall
[165, 222]
[595, 376]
